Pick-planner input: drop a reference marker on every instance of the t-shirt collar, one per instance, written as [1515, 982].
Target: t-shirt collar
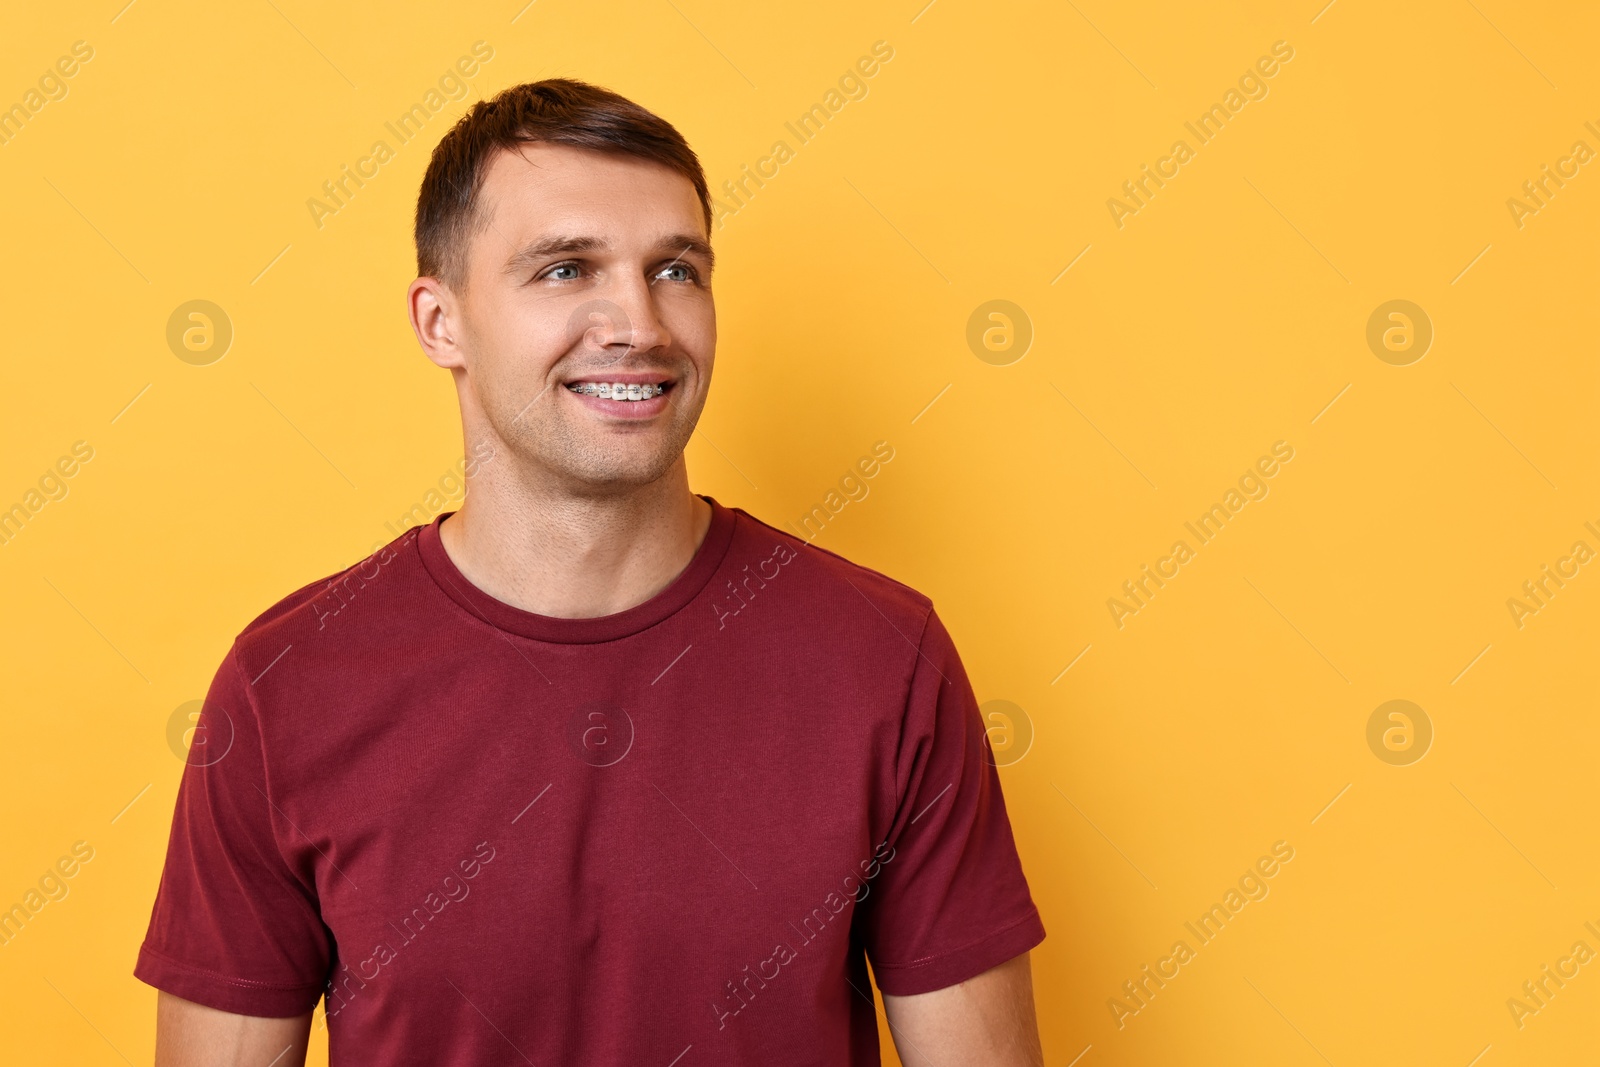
[676, 596]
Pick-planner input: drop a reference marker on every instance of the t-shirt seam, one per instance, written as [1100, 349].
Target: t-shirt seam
[1033, 913]
[266, 784]
[805, 543]
[245, 983]
[468, 611]
[477, 616]
[318, 588]
[905, 714]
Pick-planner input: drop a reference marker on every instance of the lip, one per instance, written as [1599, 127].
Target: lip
[625, 410]
[626, 378]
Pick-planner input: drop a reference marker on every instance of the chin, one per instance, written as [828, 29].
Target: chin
[615, 473]
[605, 463]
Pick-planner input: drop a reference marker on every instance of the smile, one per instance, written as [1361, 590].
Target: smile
[620, 390]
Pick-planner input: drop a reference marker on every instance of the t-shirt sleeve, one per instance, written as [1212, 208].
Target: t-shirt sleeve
[950, 900]
[233, 927]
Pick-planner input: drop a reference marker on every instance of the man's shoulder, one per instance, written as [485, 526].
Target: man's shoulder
[314, 605]
[859, 590]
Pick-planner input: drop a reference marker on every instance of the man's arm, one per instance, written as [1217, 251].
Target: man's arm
[985, 1020]
[193, 1035]
[988, 1019]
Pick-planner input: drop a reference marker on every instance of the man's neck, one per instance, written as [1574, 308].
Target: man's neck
[575, 557]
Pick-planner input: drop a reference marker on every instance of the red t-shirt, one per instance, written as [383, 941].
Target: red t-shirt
[490, 836]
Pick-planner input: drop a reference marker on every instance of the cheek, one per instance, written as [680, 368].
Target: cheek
[701, 327]
[693, 323]
[512, 352]
[705, 351]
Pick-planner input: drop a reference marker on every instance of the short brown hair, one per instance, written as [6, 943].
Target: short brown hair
[557, 111]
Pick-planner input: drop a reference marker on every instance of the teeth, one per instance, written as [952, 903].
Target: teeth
[618, 390]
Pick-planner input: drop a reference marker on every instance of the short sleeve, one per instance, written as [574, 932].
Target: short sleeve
[233, 927]
[950, 900]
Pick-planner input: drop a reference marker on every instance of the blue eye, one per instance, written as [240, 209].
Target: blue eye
[561, 267]
[685, 272]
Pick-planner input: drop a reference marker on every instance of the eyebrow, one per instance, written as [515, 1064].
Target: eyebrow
[680, 244]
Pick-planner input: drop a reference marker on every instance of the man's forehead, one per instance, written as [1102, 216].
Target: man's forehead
[583, 173]
[566, 199]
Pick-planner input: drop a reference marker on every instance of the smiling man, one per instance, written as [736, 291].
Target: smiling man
[520, 787]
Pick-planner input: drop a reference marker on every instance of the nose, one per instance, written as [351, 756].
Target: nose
[625, 320]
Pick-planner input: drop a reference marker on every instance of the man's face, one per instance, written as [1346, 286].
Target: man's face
[590, 284]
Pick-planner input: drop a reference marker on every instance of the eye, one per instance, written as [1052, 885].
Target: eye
[554, 272]
[678, 272]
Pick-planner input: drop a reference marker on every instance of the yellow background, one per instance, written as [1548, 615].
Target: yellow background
[1224, 316]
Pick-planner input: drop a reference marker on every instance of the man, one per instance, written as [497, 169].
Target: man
[593, 770]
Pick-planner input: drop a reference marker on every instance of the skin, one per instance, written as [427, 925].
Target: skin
[590, 267]
[580, 513]
[192, 1035]
[988, 1019]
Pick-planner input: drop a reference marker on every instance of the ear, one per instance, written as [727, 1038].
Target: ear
[433, 309]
